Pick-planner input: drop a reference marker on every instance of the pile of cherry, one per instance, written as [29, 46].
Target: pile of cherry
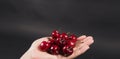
[62, 44]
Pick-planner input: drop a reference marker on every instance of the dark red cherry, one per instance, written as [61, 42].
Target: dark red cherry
[64, 36]
[55, 34]
[71, 43]
[55, 31]
[67, 50]
[73, 38]
[60, 42]
[54, 49]
[51, 41]
[44, 46]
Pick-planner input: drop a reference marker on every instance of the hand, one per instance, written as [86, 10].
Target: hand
[82, 45]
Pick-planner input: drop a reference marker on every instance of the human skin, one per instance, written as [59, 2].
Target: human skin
[82, 45]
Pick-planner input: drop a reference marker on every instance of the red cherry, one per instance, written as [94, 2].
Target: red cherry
[44, 46]
[54, 49]
[55, 31]
[71, 43]
[61, 42]
[67, 50]
[58, 41]
[51, 41]
[73, 38]
[64, 36]
[55, 34]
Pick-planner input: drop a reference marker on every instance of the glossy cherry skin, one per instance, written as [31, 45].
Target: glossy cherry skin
[67, 50]
[55, 31]
[64, 36]
[73, 38]
[55, 34]
[44, 46]
[54, 49]
[71, 43]
[51, 41]
[60, 42]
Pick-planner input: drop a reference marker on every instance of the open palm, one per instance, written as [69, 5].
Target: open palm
[82, 45]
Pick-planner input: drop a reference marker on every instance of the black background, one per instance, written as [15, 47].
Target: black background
[23, 21]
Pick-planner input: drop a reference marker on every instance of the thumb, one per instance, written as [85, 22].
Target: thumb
[37, 42]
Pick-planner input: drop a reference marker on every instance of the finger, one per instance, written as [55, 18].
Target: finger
[87, 38]
[81, 37]
[82, 50]
[79, 45]
[89, 41]
[77, 51]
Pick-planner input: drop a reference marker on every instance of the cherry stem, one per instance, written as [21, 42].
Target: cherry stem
[68, 33]
[49, 38]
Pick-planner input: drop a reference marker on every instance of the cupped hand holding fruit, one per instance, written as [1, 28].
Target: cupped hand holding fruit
[56, 48]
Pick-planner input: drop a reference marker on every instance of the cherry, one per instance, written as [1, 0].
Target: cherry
[51, 41]
[73, 38]
[62, 39]
[55, 34]
[44, 46]
[58, 41]
[71, 43]
[54, 49]
[55, 31]
[64, 36]
[61, 42]
[67, 50]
